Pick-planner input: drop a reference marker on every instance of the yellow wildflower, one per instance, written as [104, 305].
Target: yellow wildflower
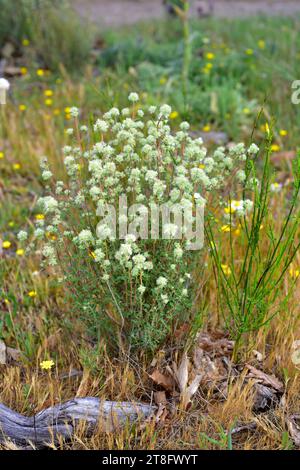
[249, 51]
[174, 115]
[261, 44]
[225, 228]
[16, 166]
[229, 210]
[25, 42]
[267, 128]
[206, 128]
[39, 216]
[294, 273]
[1, 155]
[48, 102]
[20, 252]
[40, 72]
[275, 148]
[22, 107]
[283, 132]
[32, 293]
[11, 223]
[226, 269]
[48, 93]
[23, 70]
[6, 244]
[210, 55]
[47, 365]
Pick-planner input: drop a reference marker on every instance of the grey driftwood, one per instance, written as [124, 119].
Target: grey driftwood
[61, 420]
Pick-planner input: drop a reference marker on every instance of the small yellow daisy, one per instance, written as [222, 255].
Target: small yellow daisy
[275, 148]
[16, 166]
[206, 128]
[22, 107]
[39, 216]
[174, 115]
[48, 102]
[20, 252]
[1, 155]
[48, 93]
[23, 70]
[6, 244]
[47, 365]
[210, 55]
[40, 72]
[32, 293]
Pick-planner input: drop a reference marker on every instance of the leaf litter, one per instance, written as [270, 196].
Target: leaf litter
[208, 367]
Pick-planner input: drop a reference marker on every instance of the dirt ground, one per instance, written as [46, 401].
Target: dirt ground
[118, 12]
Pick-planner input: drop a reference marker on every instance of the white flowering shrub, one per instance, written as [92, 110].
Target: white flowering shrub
[129, 289]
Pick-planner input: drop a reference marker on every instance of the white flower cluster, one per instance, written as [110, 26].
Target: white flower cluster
[146, 161]
[136, 153]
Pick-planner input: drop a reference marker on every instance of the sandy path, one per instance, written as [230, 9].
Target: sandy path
[118, 12]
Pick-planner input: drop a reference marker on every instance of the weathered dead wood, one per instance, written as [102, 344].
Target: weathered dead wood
[61, 420]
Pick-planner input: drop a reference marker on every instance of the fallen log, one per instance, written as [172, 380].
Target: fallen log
[60, 421]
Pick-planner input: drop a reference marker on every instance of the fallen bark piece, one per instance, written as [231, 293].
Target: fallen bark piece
[2, 352]
[244, 427]
[265, 379]
[293, 423]
[165, 381]
[265, 398]
[212, 357]
[61, 420]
